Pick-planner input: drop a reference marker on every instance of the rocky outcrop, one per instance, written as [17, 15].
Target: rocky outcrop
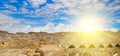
[36, 39]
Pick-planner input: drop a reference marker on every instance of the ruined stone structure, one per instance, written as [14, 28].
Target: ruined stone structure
[59, 44]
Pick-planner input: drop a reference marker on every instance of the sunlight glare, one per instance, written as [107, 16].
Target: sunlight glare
[89, 23]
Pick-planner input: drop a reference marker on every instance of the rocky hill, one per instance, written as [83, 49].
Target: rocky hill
[36, 39]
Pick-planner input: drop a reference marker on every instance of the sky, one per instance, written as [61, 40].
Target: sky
[57, 15]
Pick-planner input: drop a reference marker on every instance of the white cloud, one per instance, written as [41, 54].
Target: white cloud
[25, 3]
[23, 10]
[13, 1]
[12, 25]
[114, 29]
[74, 7]
[6, 11]
[64, 28]
[51, 28]
[36, 3]
[10, 7]
[88, 5]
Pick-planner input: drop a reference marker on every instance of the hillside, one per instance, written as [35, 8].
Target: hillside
[33, 39]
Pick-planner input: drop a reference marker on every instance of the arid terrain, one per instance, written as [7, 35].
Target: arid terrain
[102, 43]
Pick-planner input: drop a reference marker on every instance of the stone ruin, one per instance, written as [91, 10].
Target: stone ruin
[62, 43]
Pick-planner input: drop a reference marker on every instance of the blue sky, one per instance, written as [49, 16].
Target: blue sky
[55, 15]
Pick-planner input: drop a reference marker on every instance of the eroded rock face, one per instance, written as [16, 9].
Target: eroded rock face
[36, 39]
[59, 44]
[4, 45]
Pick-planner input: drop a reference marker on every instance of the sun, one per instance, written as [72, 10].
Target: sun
[88, 28]
[89, 23]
